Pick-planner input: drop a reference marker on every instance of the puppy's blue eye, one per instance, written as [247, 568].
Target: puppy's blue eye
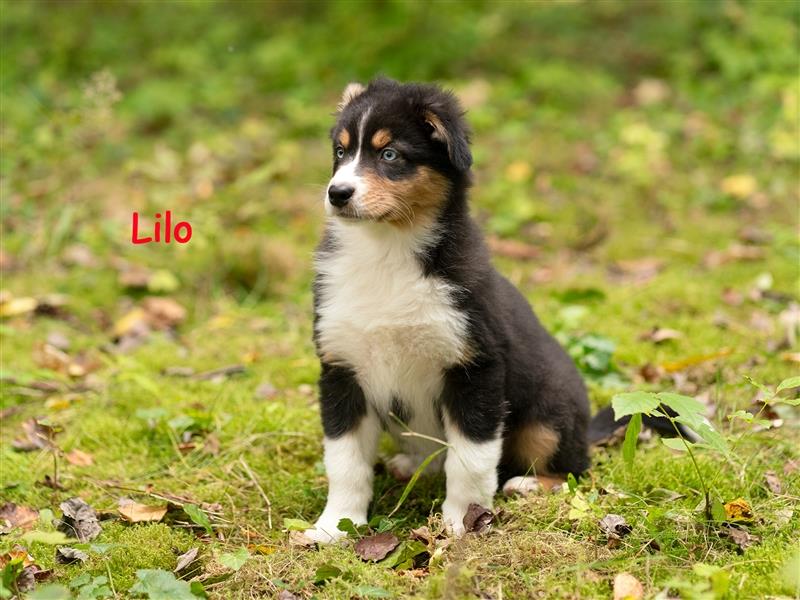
[339, 152]
[389, 154]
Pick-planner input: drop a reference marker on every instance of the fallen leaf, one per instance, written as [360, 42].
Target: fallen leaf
[217, 375]
[791, 466]
[733, 253]
[133, 512]
[300, 539]
[79, 520]
[38, 436]
[650, 91]
[79, 458]
[660, 334]
[637, 270]
[738, 510]
[423, 534]
[134, 276]
[266, 391]
[691, 361]
[186, 559]
[79, 255]
[163, 313]
[67, 556]
[478, 519]
[739, 536]
[651, 373]
[13, 307]
[512, 248]
[773, 483]
[13, 516]
[740, 185]
[627, 587]
[615, 526]
[58, 340]
[518, 171]
[234, 560]
[376, 547]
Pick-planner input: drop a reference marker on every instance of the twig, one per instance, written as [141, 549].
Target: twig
[252, 477]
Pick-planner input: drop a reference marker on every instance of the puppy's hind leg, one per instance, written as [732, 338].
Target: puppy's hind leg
[530, 448]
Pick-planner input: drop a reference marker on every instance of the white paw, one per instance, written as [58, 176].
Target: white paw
[325, 530]
[522, 486]
[453, 516]
[402, 466]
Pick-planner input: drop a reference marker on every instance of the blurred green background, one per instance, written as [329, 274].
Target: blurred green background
[636, 167]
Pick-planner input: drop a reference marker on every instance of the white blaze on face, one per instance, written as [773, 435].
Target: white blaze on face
[347, 174]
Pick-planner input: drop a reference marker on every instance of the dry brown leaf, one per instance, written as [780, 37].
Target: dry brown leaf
[740, 185]
[38, 436]
[791, 466]
[478, 519]
[738, 510]
[300, 539]
[163, 313]
[13, 307]
[615, 526]
[135, 276]
[79, 458]
[627, 587]
[739, 536]
[133, 512]
[733, 253]
[13, 516]
[79, 520]
[660, 334]
[773, 483]
[186, 559]
[637, 270]
[512, 248]
[376, 547]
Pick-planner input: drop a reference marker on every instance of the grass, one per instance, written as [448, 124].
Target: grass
[604, 133]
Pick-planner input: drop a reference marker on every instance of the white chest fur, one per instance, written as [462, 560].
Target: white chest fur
[379, 315]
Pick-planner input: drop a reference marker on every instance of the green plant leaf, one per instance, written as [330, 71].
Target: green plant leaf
[296, 524]
[325, 573]
[403, 556]
[788, 384]
[676, 443]
[631, 438]
[157, 584]
[630, 403]
[348, 527]
[235, 560]
[370, 591]
[51, 538]
[683, 405]
[49, 592]
[198, 517]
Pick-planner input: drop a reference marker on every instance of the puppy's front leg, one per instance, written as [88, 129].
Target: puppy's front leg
[351, 437]
[474, 409]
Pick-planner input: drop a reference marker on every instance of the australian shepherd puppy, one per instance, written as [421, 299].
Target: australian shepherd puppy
[415, 329]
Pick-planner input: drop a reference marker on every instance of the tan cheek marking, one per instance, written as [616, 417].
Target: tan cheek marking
[533, 446]
[381, 138]
[344, 138]
[408, 202]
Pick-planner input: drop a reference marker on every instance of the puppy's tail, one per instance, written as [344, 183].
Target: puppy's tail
[604, 427]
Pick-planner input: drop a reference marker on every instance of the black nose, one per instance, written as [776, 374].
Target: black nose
[340, 195]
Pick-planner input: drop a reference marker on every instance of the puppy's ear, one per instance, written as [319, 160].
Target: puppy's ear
[351, 92]
[443, 113]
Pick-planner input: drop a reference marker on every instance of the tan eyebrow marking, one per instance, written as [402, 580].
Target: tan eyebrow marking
[344, 138]
[381, 138]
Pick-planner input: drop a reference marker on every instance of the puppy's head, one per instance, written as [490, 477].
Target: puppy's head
[398, 150]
